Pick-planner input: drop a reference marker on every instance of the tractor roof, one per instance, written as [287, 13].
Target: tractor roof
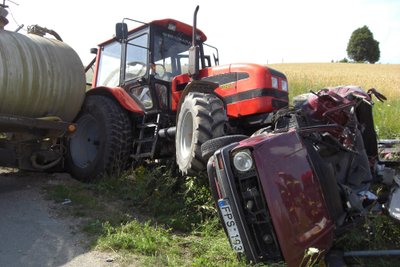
[179, 27]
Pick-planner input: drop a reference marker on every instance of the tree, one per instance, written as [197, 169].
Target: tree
[363, 47]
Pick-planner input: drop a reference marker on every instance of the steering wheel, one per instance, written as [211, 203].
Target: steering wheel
[136, 68]
[160, 70]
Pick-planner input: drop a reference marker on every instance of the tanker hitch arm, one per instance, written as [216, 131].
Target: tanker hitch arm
[52, 125]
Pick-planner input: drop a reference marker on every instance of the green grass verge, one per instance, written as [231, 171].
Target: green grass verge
[151, 212]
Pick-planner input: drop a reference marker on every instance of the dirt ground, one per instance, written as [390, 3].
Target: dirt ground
[31, 232]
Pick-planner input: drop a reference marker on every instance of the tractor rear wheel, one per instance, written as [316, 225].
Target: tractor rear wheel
[103, 140]
[201, 117]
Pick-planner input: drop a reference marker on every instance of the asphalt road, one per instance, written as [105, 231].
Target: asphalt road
[31, 233]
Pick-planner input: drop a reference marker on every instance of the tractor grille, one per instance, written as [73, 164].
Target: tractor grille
[257, 216]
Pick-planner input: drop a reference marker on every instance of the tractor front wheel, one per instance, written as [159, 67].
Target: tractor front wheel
[103, 140]
[201, 118]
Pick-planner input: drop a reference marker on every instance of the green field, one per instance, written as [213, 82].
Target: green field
[304, 77]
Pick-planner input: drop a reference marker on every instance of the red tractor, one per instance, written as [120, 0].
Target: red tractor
[156, 91]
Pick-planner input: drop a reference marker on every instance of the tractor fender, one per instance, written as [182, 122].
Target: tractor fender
[200, 86]
[120, 95]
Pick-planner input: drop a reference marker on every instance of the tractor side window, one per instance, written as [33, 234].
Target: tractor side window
[210, 55]
[183, 62]
[109, 65]
[136, 57]
[163, 69]
[168, 47]
[143, 94]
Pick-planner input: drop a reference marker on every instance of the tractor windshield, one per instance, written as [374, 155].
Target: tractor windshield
[109, 65]
[171, 54]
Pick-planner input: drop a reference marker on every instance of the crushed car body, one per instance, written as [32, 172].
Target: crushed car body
[302, 181]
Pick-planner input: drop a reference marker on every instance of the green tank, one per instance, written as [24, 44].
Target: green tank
[39, 77]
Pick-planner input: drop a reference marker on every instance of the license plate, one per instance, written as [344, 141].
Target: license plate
[230, 225]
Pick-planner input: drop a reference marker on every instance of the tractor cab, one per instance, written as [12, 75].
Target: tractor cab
[144, 61]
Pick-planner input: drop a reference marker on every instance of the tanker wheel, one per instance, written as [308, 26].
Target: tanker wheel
[201, 117]
[102, 144]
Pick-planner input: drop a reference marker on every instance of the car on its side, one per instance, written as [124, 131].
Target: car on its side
[301, 182]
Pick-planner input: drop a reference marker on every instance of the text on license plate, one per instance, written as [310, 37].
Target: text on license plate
[230, 225]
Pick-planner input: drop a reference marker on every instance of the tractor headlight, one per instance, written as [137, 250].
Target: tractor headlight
[243, 161]
[284, 85]
[274, 82]
[172, 26]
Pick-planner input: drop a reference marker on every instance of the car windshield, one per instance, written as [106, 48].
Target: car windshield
[171, 54]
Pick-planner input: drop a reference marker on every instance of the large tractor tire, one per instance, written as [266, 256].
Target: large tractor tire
[201, 118]
[103, 140]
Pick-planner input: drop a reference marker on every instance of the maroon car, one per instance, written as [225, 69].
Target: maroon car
[298, 183]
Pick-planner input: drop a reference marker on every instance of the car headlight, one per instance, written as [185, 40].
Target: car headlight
[243, 161]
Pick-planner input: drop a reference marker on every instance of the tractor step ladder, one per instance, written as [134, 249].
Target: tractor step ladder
[145, 145]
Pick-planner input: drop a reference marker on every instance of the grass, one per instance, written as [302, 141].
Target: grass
[376, 233]
[78, 194]
[385, 78]
[142, 238]
[164, 218]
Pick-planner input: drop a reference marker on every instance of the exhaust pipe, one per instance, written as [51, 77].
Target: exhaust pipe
[194, 50]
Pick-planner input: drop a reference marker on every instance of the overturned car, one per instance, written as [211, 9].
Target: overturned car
[302, 181]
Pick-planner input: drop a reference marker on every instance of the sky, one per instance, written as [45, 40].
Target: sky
[252, 31]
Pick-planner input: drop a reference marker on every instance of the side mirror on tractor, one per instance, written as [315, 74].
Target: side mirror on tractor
[121, 31]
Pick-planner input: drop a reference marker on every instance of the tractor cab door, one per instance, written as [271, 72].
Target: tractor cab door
[147, 71]
[170, 58]
[136, 69]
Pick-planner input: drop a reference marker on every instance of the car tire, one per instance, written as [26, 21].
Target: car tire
[210, 146]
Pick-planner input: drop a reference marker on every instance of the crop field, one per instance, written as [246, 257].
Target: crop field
[304, 77]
